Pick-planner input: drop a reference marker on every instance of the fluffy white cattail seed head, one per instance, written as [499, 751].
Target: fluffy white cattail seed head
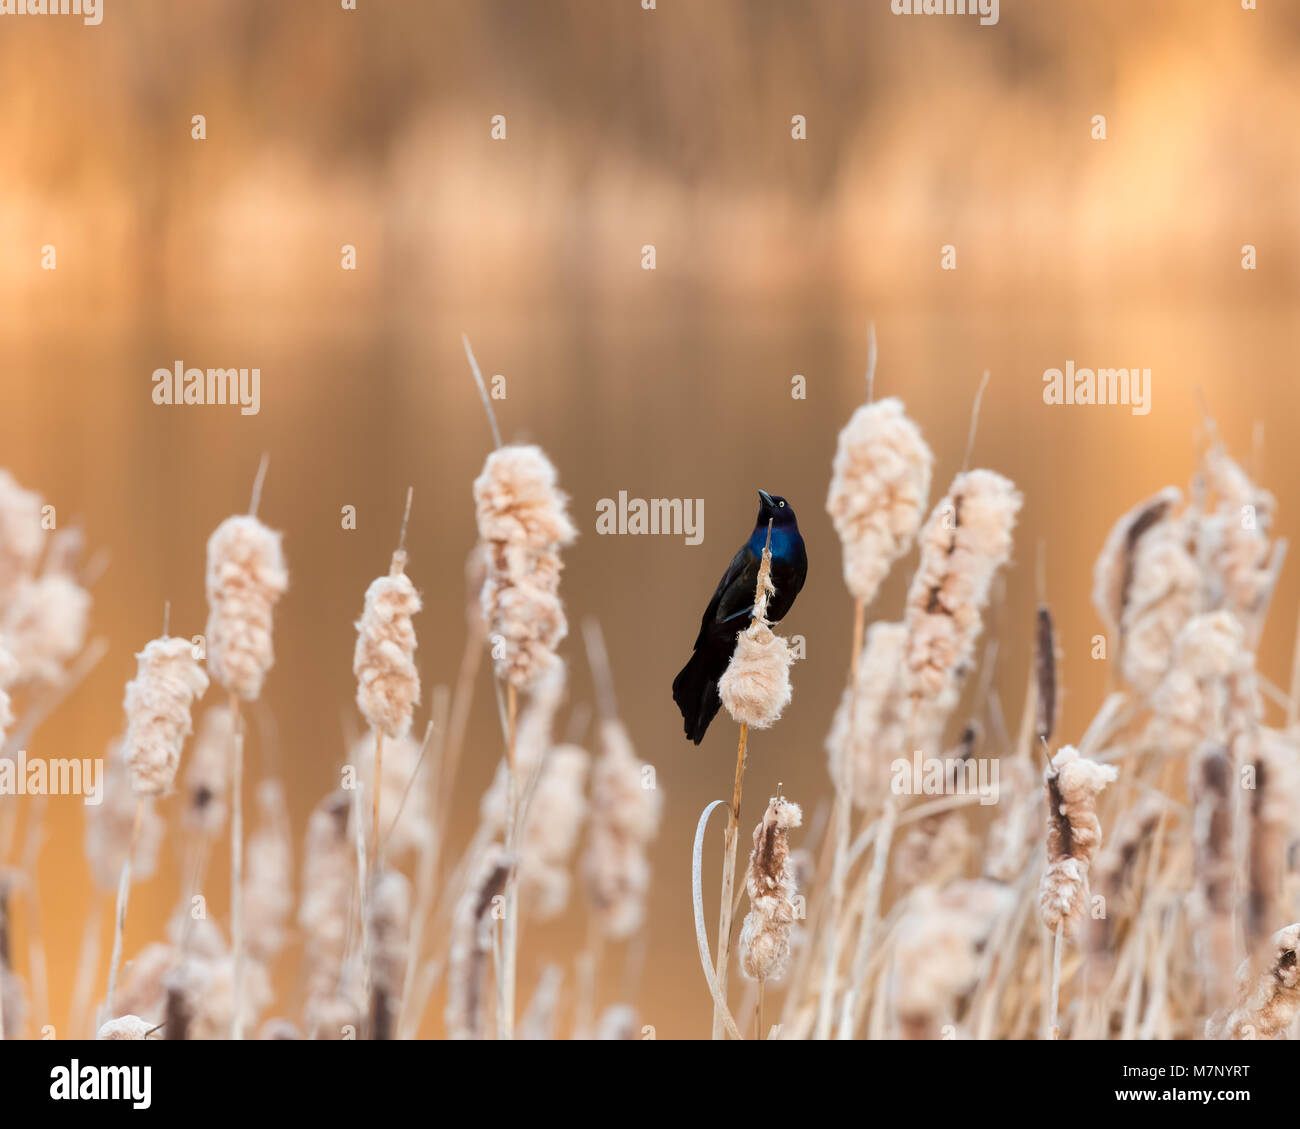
[246, 576]
[1113, 572]
[755, 688]
[1268, 993]
[965, 540]
[624, 819]
[268, 875]
[157, 704]
[129, 1027]
[207, 777]
[873, 729]
[388, 684]
[880, 484]
[523, 521]
[1232, 541]
[1073, 836]
[45, 625]
[1164, 593]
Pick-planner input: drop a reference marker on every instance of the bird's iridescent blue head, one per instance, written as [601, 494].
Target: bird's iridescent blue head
[776, 509]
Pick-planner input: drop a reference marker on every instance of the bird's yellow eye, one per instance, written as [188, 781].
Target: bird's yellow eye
[781, 504]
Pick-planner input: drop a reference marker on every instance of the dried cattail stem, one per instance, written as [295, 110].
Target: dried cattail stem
[729, 881]
[762, 594]
[510, 928]
[237, 863]
[119, 916]
[843, 817]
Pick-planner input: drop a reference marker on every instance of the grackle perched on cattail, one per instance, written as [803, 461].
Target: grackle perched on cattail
[695, 689]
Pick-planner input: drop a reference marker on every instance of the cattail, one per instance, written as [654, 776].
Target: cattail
[390, 926]
[207, 991]
[1164, 593]
[755, 687]
[246, 576]
[207, 777]
[1209, 688]
[963, 543]
[128, 1027]
[1269, 823]
[142, 989]
[1114, 570]
[936, 961]
[268, 880]
[21, 538]
[765, 935]
[471, 941]
[1113, 872]
[328, 876]
[1268, 993]
[625, 815]
[157, 705]
[523, 521]
[8, 674]
[1073, 835]
[1045, 675]
[880, 483]
[875, 729]
[554, 825]
[44, 626]
[1232, 540]
[934, 850]
[1210, 786]
[388, 685]
[109, 825]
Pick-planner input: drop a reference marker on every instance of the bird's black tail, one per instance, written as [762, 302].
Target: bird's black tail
[695, 690]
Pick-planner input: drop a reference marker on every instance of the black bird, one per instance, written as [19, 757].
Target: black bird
[695, 689]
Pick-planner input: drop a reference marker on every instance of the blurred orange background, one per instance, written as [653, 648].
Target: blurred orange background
[625, 127]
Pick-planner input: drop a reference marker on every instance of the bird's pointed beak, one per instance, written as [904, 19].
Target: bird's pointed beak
[767, 498]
